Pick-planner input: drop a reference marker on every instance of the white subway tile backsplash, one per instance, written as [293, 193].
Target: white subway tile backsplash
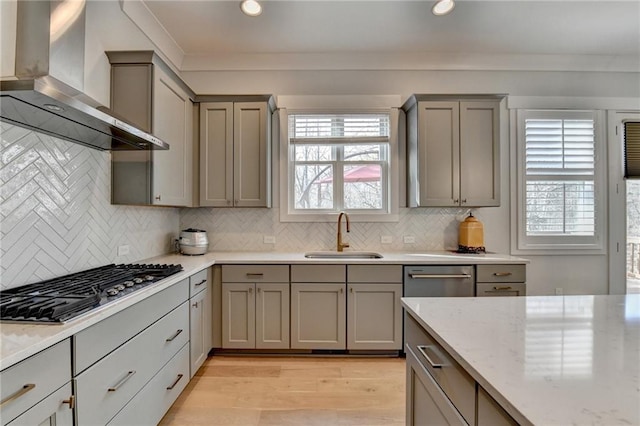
[56, 215]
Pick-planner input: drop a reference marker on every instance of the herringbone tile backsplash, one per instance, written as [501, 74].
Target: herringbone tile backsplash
[56, 215]
[244, 229]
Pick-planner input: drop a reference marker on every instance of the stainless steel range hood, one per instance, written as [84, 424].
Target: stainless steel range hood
[43, 79]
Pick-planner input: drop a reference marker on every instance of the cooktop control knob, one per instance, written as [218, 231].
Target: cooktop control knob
[129, 283]
[112, 291]
[138, 280]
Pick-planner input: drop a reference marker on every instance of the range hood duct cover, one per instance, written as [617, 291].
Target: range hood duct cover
[45, 92]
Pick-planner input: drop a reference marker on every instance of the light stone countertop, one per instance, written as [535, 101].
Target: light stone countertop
[548, 360]
[21, 340]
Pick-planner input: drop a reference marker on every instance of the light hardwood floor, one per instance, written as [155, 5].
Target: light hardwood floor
[283, 391]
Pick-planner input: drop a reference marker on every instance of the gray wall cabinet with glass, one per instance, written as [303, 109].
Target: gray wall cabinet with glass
[147, 93]
[235, 152]
[453, 151]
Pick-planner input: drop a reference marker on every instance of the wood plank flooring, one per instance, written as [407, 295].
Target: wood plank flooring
[283, 391]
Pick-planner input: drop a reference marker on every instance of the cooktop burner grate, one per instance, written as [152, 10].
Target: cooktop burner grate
[60, 299]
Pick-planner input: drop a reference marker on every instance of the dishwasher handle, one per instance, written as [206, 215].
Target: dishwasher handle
[438, 276]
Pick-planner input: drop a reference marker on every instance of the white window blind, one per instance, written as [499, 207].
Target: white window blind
[559, 174]
[338, 128]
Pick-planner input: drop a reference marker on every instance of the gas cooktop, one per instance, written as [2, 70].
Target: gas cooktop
[58, 300]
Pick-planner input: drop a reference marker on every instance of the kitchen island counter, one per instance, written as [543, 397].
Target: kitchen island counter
[547, 360]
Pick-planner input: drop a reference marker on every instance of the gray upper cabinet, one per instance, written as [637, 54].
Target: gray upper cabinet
[453, 147]
[146, 92]
[235, 146]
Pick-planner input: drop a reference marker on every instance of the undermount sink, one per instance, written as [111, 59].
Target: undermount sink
[342, 255]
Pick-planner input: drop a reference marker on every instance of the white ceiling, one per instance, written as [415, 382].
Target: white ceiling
[607, 29]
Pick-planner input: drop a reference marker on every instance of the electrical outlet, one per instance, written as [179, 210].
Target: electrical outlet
[386, 239]
[269, 239]
[123, 250]
[559, 291]
[409, 239]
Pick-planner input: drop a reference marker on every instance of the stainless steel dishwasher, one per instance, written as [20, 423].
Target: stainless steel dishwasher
[439, 281]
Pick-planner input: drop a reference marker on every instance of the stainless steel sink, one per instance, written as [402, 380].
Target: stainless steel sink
[342, 255]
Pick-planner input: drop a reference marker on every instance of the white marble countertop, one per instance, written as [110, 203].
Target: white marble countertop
[21, 340]
[548, 360]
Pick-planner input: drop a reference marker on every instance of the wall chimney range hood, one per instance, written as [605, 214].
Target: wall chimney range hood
[43, 79]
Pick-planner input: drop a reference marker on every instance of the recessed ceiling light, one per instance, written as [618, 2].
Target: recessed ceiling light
[442, 7]
[251, 7]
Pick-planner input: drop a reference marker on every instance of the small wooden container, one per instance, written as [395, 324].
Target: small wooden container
[471, 236]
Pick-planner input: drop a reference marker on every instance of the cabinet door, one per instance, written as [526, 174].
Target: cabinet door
[272, 316]
[238, 316]
[199, 330]
[438, 153]
[252, 155]
[318, 317]
[173, 123]
[426, 403]
[54, 410]
[216, 154]
[374, 316]
[490, 413]
[480, 153]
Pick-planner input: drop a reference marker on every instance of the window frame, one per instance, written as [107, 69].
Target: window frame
[389, 172]
[561, 244]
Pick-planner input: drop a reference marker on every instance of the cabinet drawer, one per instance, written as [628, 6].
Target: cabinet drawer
[107, 386]
[454, 381]
[501, 289]
[501, 273]
[198, 282]
[95, 342]
[31, 380]
[255, 273]
[318, 273]
[155, 399]
[374, 273]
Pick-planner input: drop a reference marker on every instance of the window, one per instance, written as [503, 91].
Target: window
[561, 180]
[338, 162]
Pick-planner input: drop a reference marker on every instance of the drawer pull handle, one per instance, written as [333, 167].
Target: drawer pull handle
[439, 276]
[502, 274]
[176, 382]
[71, 401]
[26, 388]
[200, 283]
[502, 288]
[255, 275]
[122, 381]
[177, 333]
[423, 350]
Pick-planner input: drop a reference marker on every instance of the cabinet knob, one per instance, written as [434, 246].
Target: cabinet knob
[158, 197]
[456, 201]
[195, 305]
[464, 201]
[351, 290]
[250, 290]
[259, 289]
[228, 202]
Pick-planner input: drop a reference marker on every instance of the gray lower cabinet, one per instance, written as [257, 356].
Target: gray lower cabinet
[426, 402]
[374, 312]
[155, 399]
[255, 306]
[501, 280]
[318, 307]
[200, 318]
[37, 391]
[440, 391]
